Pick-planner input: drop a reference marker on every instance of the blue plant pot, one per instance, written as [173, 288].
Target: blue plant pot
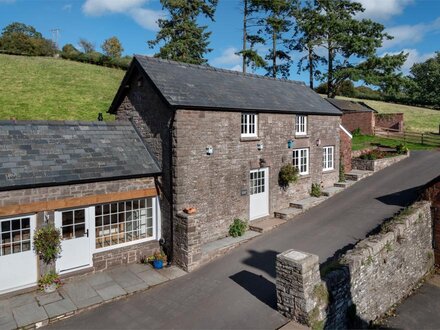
[158, 264]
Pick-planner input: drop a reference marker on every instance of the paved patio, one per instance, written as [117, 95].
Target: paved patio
[37, 308]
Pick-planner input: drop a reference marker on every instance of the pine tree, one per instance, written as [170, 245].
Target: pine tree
[182, 39]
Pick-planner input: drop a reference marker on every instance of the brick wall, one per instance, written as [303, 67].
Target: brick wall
[389, 120]
[345, 150]
[359, 119]
[213, 183]
[153, 119]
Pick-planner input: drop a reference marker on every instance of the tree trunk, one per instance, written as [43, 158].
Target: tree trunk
[244, 33]
[311, 66]
[330, 92]
[274, 54]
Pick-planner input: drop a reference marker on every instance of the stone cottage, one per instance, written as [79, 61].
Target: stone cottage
[96, 182]
[220, 138]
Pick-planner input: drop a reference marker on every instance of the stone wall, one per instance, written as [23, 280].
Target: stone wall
[368, 280]
[389, 120]
[377, 164]
[154, 120]
[217, 185]
[432, 194]
[345, 150]
[187, 241]
[359, 119]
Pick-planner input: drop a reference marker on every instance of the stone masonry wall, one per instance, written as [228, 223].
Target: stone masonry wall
[432, 194]
[377, 164]
[389, 120]
[153, 119]
[376, 274]
[345, 152]
[217, 185]
[359, 119]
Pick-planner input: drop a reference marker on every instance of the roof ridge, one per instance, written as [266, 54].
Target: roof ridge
[215, 69]
[65, 122]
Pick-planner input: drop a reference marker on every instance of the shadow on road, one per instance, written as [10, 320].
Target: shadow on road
[261, 288]
[264, 261]
[402, 198]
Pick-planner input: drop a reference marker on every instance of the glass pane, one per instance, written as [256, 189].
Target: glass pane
[80, 230]
[6, 238]
[142, 203]
[121, 207]
[68, 232]
[135, 204]
[98, 210]
[6, 226]
[114, 207]
[26, 234]
[128, 206]
[6, 249]
[106, 209]
[16, 224]
[99, 232]
[26, 246]
[67, 218]
[121, 217]
[16, 237]
[99, 242]
[17, 248]
[98, 221]
[25, 223]
[149, 222]
[150, 232]
[107, 241]
[149, 212]
[114, 218]
[80, 216]
[106, 219]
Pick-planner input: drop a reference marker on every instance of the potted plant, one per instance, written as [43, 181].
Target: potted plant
[47, 245]
[158, 259]
[49, 282]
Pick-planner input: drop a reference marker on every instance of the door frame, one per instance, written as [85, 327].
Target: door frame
[89, 225]
[266, 189]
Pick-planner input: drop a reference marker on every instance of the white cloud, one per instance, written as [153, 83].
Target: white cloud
[383, 9]
[228, 58]
[147, 18]
[410, 34]
[237, 67]
[413, 57]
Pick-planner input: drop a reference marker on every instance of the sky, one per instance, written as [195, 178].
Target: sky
[415, 25]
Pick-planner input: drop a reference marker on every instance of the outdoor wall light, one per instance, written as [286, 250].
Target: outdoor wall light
[289, 144]
[260, 146]
[209, 150]
[318, 142]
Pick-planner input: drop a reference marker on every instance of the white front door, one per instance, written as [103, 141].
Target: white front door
[18, 262]
[75, 245]
[259, 193]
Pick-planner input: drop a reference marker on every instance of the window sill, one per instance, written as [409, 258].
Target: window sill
[249, 139]
[306, 136]
[328, 171]
[304, 176]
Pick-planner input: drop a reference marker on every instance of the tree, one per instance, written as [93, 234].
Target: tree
[87, 46]
[275, 24]
[425, 86]
[250, 55]
[19, 38]
[307, 37]
[181, 37]
[112, 47]
[345, 37]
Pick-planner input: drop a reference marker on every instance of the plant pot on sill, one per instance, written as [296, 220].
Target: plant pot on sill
[157, 264]
[49, 288]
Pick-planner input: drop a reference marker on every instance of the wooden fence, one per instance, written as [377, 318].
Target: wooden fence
[430, 139]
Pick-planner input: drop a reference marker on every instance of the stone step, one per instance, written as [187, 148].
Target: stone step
[262, 226]
[345, 184]
[307, 203]
[356, 175]
[288, 213]
[330, 191]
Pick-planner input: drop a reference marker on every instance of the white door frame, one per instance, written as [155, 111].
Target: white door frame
[89, 228]
[261, 200]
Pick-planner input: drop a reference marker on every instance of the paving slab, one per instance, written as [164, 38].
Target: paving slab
[172, 272]
[22, 299]
[266, 225]
[110, 290]
[137, 268]
[330, 191]
[307, 203]
[288, 213]
[228, 241]
[345, 184]
[124, 277]
[81, 293]
[357, 175]
[7, 321]
[60, 307]
[151, 277]
[47, 298]
[96, 280]
[137, 287]
[29, 314]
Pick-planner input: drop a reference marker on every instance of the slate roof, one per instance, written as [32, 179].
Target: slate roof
[190, 86]
[350, 106]
[41, 153]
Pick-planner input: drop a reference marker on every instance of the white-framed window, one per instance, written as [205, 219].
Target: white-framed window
[301, 160]
[257, 182]
[328, 156]
[127, 222]
[15, 235]
[249, 125]
[301, 125]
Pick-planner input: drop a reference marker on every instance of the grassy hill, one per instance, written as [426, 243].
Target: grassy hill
[55, 89]
[416, 119]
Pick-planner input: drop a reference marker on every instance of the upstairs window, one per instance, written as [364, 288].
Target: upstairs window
[249, 123]
[301, 125]
[328, 158]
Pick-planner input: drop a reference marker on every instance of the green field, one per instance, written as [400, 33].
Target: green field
[365, 141]
[416, 119]
[55, 89]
